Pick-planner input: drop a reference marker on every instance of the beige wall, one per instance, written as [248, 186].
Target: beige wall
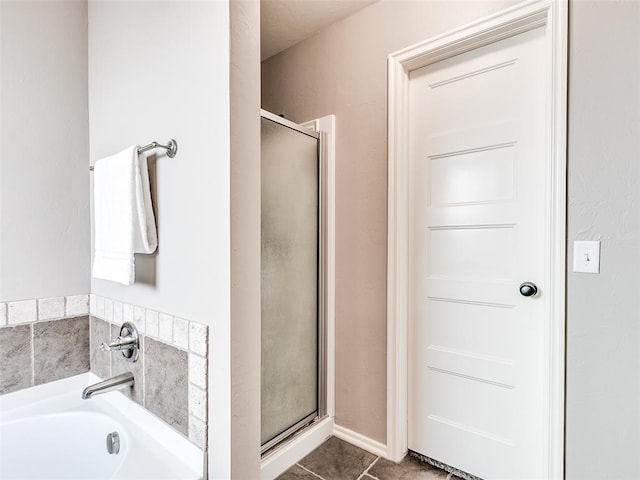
[343, 71]
[44, 189]
[603, 327]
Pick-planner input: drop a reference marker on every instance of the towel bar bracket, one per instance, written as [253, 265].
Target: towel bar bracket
[171, 148]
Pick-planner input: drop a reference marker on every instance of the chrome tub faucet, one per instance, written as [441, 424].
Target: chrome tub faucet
[115, 383]
[127, 343]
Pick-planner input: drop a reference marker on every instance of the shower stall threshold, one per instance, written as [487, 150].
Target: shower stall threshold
[289, 433]
[282, 456]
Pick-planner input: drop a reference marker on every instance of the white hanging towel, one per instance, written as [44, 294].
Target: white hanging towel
[123, 215]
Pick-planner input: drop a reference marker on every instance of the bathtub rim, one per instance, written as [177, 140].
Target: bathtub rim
[127, 412]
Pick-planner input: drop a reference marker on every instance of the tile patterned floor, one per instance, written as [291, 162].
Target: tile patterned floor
[339, 460]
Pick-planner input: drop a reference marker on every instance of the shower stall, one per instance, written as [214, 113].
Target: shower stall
[292, 280]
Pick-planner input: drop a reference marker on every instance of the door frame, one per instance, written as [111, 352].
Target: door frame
[521, 18]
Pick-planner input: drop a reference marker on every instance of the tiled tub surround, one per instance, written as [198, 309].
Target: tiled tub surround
[171, 372]
[42, 340]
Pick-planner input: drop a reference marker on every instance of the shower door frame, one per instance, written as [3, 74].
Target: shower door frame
[321, 374]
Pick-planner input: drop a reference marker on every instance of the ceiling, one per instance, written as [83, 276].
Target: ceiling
[283, 23]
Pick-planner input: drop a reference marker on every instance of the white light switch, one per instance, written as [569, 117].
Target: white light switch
[586, 257]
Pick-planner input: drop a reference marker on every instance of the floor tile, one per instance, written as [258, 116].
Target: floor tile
[297, 473]
[338, 460]
[409, 469]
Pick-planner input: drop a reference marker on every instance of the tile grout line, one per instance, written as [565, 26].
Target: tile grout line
[366, 472]
[33, 357]
[109, 352]
[91, 336]
[143, 367]
[311, 472]
[33, 345]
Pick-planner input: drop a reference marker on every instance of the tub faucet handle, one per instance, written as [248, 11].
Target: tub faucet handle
[120, 343]
[127, 342]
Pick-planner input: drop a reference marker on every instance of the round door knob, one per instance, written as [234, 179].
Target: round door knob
[528, 289]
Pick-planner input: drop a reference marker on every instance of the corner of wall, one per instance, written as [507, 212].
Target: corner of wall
[245, 238]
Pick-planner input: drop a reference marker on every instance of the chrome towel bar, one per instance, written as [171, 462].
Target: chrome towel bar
[171, 148]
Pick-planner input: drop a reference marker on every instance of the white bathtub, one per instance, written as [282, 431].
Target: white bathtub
[49, 432]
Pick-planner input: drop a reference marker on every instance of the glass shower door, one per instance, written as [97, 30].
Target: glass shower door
[289, 278]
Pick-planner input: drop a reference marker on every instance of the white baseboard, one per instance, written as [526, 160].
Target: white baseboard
[287, 455]
[361, 441]
[280, 460]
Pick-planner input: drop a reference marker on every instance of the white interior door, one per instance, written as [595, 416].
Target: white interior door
[477, 231]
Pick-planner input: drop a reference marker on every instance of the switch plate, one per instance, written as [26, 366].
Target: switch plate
[586, 257]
